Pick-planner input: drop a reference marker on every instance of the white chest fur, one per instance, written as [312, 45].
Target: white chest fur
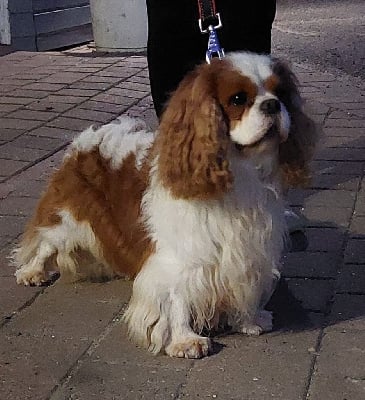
[220, 254]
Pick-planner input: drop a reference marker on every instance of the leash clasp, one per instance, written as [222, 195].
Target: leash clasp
[214, 47]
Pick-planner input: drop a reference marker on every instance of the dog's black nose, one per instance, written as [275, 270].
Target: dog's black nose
[270, 107]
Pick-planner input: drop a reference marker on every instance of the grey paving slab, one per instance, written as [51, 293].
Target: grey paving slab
[355, 251]
[357, 227]
[340, 366]
[254, 368]
[311, 265]
[9, 167]
[42, 343]
[337, 217]
[313, 294]
[322, 198]
[347, 313]
[325, 240]
[351, 279]
[116, 369]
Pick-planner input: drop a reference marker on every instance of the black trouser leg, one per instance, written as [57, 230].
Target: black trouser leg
[175, 44]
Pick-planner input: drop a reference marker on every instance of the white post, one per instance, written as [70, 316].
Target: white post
[119, 25]
[5, 37]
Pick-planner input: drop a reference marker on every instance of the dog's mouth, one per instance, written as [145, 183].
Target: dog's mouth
[271, 134]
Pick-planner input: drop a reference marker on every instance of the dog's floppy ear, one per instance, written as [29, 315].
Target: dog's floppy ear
[296, 153]
[192, 140]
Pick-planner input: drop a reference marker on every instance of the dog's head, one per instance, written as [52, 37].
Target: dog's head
[246, 102]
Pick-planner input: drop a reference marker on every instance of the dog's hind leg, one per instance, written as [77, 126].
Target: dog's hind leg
[30, 260]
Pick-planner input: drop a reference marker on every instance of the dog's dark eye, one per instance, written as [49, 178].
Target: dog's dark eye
[238, 99]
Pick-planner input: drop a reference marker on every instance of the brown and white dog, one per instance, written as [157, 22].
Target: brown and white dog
[193, 213]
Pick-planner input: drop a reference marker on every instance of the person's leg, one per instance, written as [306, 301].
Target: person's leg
[176, 45]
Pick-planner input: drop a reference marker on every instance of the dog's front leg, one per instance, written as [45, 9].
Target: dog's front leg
[158, 315]
[184, 342]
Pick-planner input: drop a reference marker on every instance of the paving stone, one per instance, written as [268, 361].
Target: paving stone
[33, 115]
[346, 123]
[6, 189]
[17, 206]
[353, 106]
[63, 135]
[355, 251]
[357, 114]
[90, 115]
[13, 226]
[322, 198]
[340, 366]
[146, 102]
[357, 227]
[138, 79]
[100, 86]
[7, 108]
[347, 313]
[42, 170]
[65, 99]
[313, 294]
[325, 240]
[327, 216]
[102, 106]
[10, 134]
[341, 154]
[115, 99]
[64, 77]
[352, 133]
[78, 92]
[11, 152]
[7, 88]
[13, 298]
[335, 182]
[14, 123]
[5, 241]
[116, 91]
[252, 364]
[103, 79]
[117, 361]
[143, 73]
[134, 86]
[136, 61]
[63, 321]
[49, 87]
[38, 142]
[27, 188]
[15, 100]
[351, 279]
[342, 141]
[72, 124]
[85, 69]
[17, 81]
[120, 72]
[33, 94]
[360, 203]
[50, 106]
[311, 265]
[9, 167]
[337, 167]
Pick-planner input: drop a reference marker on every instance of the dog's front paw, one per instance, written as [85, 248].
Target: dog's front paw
[30, 276]
[189, 347]
[262, 323]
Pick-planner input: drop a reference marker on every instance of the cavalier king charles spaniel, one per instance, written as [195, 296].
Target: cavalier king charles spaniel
[194, 213]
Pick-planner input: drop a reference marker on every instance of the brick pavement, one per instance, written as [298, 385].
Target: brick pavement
[67, 341]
